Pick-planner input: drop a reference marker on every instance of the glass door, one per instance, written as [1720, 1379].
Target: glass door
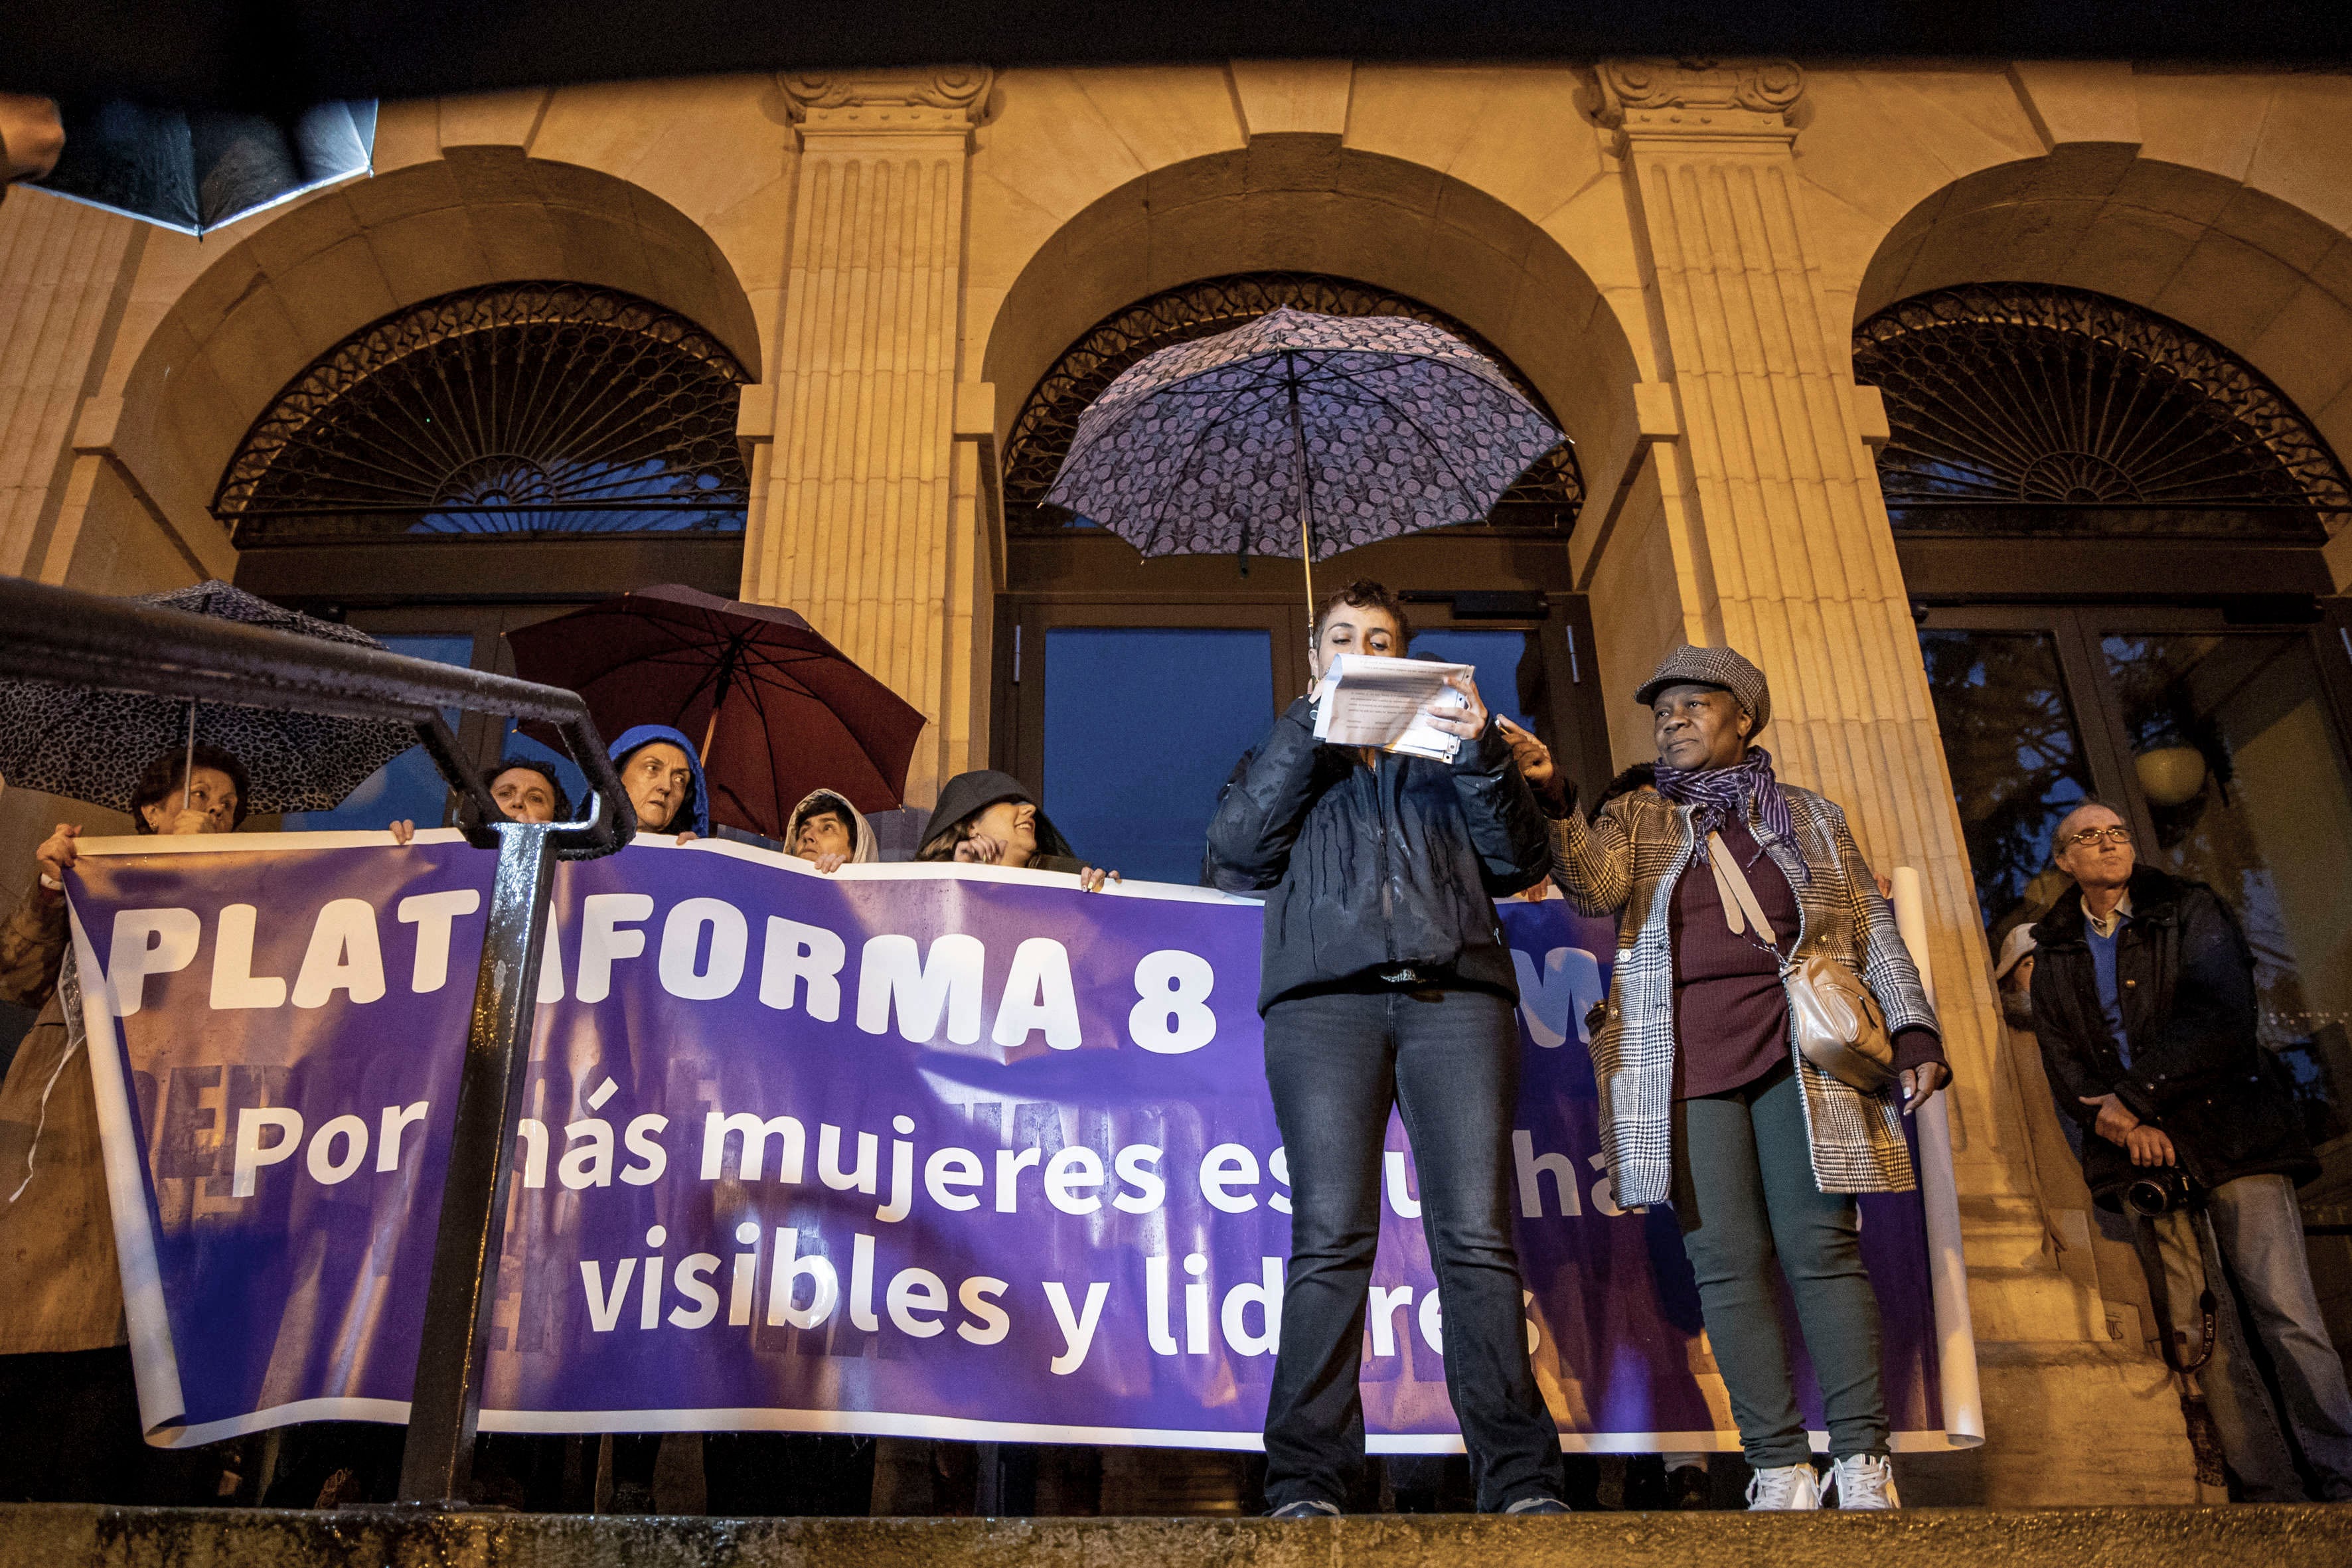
[1127, 718]
[1142, 727]
[2242, 785]
[2223, 746]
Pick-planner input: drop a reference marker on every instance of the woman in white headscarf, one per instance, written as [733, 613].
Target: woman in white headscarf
[826, 829]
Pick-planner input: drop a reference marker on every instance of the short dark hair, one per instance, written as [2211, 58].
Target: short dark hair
[167, 773]
[837, 811]
[543, 769]
[2057, 843]
[1363, 594]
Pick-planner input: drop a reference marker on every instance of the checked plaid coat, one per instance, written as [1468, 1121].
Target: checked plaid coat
[1630, 859]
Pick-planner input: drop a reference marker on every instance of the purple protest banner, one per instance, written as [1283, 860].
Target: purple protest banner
[911, 1150]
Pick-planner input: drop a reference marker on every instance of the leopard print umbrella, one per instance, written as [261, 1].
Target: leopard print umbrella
[93, 745]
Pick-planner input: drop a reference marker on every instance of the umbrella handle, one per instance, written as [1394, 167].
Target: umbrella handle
[1307, 562]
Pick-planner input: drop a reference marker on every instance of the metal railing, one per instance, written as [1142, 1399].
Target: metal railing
[82, 639]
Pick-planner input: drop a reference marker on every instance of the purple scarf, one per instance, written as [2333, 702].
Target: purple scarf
[1718, 796]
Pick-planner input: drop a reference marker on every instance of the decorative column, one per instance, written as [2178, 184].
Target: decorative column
[854, 518]
[1784, 551]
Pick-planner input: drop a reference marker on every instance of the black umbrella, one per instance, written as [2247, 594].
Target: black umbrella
[93, 745]
[197, 170]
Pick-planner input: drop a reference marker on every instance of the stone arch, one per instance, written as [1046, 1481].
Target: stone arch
[258, 317]
[1305, 203]
[2259, 276]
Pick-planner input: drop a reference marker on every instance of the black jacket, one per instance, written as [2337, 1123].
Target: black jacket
[2188, 987]
[1369, 870]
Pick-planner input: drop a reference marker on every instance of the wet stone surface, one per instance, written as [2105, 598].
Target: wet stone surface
[68, 1535]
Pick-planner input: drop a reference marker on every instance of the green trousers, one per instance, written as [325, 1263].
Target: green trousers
[1744, 1195]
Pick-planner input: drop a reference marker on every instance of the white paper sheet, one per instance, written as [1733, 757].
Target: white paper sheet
[1364, 699]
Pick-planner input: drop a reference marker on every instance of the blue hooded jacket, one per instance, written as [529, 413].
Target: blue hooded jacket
[695, 813]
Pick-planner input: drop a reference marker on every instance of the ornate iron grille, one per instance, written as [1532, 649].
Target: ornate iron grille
[518, 410]
[1545, 500]
[2023, 409]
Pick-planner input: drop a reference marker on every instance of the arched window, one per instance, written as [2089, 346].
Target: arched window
[1545, 500]
[2021, 408]
[522, 410]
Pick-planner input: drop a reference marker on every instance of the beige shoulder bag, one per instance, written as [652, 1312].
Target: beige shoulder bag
[1840, 1027]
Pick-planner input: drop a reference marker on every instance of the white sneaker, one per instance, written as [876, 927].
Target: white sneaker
[1864, 1480]
[1784, 1487]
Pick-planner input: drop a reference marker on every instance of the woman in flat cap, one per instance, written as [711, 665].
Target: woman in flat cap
[1729, 881]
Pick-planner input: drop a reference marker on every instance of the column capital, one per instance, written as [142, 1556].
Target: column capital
[1680, 99]
[929, 102]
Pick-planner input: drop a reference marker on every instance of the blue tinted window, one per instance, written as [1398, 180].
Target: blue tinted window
[1142, 728]
[1510, 666]
[409, 786]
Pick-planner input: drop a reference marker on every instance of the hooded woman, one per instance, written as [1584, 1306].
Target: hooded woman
[825, 828]
[663, 774]
[988, 818]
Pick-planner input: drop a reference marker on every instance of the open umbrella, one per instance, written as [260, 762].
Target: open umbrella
[194, 172]
[1300, 435]
[780, 710]
[93, 745]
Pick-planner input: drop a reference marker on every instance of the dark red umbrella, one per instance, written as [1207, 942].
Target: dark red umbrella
[780, 710]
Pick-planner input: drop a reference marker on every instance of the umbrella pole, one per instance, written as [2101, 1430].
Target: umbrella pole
[1306, 507]
[719, 701]
[188, 772]
[1307, 561]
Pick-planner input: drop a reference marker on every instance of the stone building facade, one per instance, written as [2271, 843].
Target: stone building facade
[1676, 256]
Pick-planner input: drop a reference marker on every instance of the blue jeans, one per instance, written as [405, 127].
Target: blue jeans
[1449, 1060]
[2259, 1230]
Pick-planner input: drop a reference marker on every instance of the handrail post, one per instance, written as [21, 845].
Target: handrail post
[436, 1464]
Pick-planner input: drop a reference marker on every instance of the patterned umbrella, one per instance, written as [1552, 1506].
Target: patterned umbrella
[93, 745]
[1322, 431]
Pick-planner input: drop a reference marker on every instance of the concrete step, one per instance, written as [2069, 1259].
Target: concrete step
[65, 1535]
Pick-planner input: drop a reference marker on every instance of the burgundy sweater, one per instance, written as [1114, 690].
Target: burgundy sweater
[1731, 1016]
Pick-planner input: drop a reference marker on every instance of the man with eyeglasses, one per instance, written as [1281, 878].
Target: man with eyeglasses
[2144, 1007]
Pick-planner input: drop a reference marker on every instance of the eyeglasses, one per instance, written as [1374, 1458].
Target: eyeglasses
[2090, 837]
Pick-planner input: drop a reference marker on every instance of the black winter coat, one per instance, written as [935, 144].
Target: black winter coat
[1368, 870]
[2189, 1008]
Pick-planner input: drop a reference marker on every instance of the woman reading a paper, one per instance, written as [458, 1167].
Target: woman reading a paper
[1386, 983]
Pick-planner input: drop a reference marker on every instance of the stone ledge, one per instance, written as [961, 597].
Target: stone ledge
[59, 1535]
